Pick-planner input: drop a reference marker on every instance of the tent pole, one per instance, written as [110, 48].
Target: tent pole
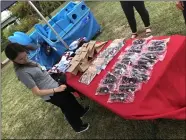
[33, 6]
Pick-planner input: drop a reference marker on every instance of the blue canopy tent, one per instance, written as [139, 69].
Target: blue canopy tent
[73, 21]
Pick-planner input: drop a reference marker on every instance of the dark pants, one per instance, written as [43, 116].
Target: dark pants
[184, 11]
[127, 7]
[70, 107]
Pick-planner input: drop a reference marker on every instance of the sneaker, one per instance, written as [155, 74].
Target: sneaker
[86, 110]
[83, 128]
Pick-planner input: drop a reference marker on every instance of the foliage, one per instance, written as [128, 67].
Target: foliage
[22, 9]
[46, 7]
[3, 45]
[25, 25]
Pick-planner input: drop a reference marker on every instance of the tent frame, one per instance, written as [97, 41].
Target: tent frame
[33, 6]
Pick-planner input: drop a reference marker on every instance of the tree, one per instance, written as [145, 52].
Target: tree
[22, 9]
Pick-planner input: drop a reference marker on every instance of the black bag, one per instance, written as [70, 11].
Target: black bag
[59, 77]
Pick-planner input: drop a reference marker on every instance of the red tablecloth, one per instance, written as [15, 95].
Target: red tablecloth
[163, 96]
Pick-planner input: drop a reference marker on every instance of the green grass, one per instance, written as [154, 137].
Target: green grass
[3, 56]
[25, 116]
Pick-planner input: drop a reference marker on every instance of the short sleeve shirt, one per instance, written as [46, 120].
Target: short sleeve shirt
[35, 76]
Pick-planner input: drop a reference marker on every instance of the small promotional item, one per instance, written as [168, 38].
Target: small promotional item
[105, 89]
[121, 98]
[88, 75]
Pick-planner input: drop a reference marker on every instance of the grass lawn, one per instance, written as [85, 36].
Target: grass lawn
[3, 56]
[25, 116]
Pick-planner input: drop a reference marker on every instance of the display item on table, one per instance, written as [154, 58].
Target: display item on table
[133, 68]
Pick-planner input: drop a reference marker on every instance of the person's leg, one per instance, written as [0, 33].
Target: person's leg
[70, 107]
[129, 12]
[78, 109]
[184, 11]
[72, 90]
[140, 7]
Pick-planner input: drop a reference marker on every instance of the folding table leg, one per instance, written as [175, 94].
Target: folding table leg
[154, 129]
[82, 97]
[79, 95]
[76, 93]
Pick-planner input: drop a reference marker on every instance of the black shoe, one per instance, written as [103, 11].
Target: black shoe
[83, 128]
[86, 110]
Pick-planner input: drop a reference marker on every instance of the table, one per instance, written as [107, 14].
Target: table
[163, 96]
